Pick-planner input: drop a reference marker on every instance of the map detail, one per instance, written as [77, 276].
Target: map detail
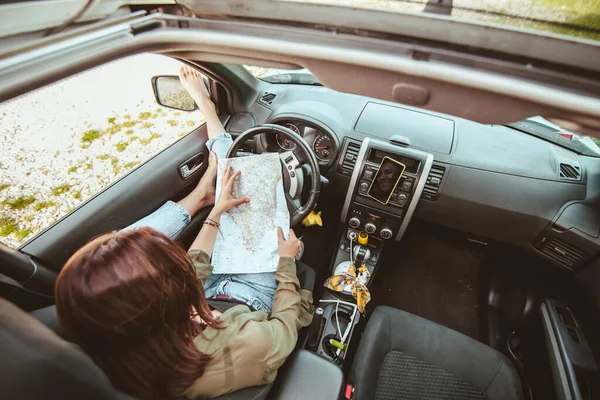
[248, 239]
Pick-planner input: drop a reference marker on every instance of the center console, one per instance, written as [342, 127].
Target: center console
[380, 206]
[383, 222]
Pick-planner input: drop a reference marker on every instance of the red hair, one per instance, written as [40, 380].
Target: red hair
[129, 300]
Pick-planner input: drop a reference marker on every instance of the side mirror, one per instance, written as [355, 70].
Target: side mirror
[169, 92]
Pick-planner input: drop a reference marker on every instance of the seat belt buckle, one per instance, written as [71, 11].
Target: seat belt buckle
[349, 392]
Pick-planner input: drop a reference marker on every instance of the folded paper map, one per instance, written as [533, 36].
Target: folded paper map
[248, 239]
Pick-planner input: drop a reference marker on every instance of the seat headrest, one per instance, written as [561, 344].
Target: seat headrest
[38, 364]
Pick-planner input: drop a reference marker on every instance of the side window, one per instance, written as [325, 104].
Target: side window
[65, 142]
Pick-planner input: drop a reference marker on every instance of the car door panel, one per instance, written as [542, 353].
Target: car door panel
[132, 197]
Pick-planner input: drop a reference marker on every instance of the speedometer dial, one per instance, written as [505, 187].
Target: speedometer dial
[284, 142]
[323, 147]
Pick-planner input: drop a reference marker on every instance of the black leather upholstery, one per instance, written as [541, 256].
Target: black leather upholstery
[306, 375]
[403, 356]
[37, 364]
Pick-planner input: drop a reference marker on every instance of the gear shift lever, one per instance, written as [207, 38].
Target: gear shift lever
[361, 252]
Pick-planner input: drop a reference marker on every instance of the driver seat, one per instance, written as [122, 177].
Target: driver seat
[35, 347]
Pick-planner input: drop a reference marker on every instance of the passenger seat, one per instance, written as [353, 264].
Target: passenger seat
[403, 356]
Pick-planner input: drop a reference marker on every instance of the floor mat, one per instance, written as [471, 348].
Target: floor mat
[433, 277]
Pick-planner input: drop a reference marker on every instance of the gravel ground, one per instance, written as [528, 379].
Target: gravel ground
[65, 142]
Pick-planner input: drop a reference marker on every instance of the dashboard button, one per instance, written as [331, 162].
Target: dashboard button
[368, 174]
[406, 185]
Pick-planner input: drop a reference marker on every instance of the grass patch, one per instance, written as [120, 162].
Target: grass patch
[190, 123]
[159, 109]
[28, 218]
[113, 129]
[44, 204]
[61, 189]
[89, 165]
[134, 138]
[172, 122]
[7, 226]
[103, 157]
[114, 161]
[176, 113]
[144, 115]
[131, 165]
[129, 124]
[77, 195]
[121, 146]
[129, 132]
[4, 186]
[126, 116]
[22, 234]
[152, 137]
[111, 120]
[89, 136]
[155, 115]
[147, 125]
[19, 203]
[73, 169]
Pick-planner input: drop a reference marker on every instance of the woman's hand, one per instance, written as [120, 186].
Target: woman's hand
[290, 247]
[226, 200]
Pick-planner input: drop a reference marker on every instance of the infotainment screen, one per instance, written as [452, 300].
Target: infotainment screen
[386, 179]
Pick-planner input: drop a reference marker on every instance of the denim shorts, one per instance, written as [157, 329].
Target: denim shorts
[255, 290]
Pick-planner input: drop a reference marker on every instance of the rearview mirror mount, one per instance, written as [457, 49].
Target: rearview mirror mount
[169, 92]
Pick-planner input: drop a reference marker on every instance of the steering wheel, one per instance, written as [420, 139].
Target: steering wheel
[291, 166]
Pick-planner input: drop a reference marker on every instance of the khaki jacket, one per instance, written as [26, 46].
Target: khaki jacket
[252, 344]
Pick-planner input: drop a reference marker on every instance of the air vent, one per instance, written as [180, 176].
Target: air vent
[568, 171]
[349, 157]
[267, 98]
[560, 251]
[431, 191]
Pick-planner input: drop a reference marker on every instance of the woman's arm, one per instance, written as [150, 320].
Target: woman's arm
[284, 321]
[205, 240]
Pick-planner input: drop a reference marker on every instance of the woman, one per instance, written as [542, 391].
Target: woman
[134, 301]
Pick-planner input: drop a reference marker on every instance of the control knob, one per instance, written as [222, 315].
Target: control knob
[363, 187]
[370, 228]
[354, 222]
[386, 233]
[402, 198]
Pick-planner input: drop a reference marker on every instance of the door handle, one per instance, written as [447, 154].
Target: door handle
[187, 169]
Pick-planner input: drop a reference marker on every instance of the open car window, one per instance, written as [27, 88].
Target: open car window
[66, 142]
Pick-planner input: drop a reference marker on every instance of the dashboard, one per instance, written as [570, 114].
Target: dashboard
[492, 182]
[323, 143]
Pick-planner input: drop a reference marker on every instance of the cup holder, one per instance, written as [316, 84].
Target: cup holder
[327, 347]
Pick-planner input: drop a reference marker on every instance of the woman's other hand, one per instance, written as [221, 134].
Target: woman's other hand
[289, 247]
[226, 200]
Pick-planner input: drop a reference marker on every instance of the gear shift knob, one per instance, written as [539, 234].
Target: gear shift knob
[361, 255]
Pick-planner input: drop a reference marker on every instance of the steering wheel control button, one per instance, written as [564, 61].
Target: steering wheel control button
[386, 233]
[290, 167]
[406, 185]
[368, 174]
[354, 222]
[292, 174]
[370, 228]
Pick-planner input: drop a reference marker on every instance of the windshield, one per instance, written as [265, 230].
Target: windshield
[300, 76]
[578, 18]
[540, 127]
